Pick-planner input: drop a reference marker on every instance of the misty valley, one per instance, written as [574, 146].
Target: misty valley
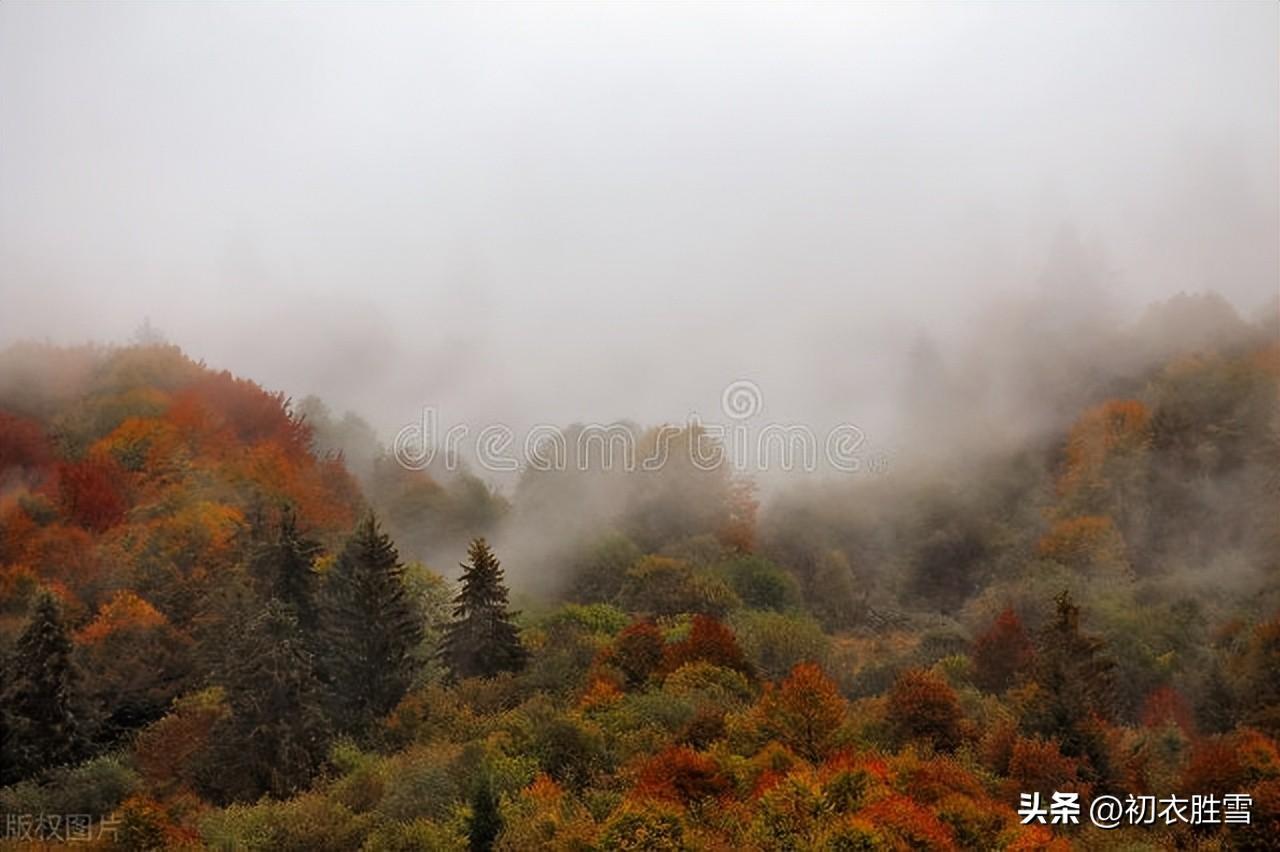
[624, 426]
[232, 621]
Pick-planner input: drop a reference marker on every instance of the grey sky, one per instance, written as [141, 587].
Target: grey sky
[550, 212]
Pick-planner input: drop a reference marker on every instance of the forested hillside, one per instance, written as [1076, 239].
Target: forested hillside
[224, 623]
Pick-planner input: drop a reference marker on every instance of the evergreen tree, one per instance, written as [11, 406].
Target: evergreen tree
[283, 565]
[41, 728]
[276, 736]
[372, 627]
[482, 640]
[1076, 688]
[485, 823]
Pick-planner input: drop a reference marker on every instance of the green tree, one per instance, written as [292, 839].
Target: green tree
[485, 823]
[276, 736]
[482, 640]
[283, 564]
[1075, 683]
[373, 627]
[42, 728]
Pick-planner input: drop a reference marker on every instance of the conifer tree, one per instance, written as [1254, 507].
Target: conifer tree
[482, 640]
[1076, 688]
[485, 823]
[372, 626]
[283, 563]
[42, 728]
[276, 736]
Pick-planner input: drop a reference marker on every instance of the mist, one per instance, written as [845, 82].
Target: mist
[557, 213]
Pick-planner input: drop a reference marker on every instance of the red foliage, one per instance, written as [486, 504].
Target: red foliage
[90, 491]
[1166, 706]
[708, 641]
[637, 652]
[1230, 763]
[912, 824]
[1038, 765]
[22, 443]
[680, 774]
[923, 706]
[1002, 653]
[252, 414]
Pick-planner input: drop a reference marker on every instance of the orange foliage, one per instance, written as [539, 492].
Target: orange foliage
[1078, 541]
[1115, 425]
[250, 413]
[16, 528]
[805, 712]
[600, 691]
[1038, 765]
[1230, 763]
[1037, 838]
[62, 553]
[923, 706]
[140, 443]
[912, 824]
[932, 779]
[124, 611]
[708, 641]
[738, 532]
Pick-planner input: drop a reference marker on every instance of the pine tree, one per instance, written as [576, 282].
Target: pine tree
[283, 564]
[372, 627]
[1076, 688]
[276, 736]
[482, 640]
[485, 823]
[42, 728]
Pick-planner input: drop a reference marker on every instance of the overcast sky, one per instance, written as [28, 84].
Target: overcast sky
[556, 212]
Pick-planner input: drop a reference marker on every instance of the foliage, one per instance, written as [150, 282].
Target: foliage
[482, 640]
[372, 626]
[923, 707]
[804, 711]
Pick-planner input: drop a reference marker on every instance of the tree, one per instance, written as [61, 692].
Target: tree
[1075, 688]
[681, 774]
[283, 563]
[922, 706]
[483, 639]
[660, 585]
[372, 626]
[637, 652]
[804, 712]
[485, 822]
[276, 736]
[1002, 654]
[709, 641]
[42, 728]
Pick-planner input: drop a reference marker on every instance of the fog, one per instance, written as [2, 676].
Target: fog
[556, 213]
